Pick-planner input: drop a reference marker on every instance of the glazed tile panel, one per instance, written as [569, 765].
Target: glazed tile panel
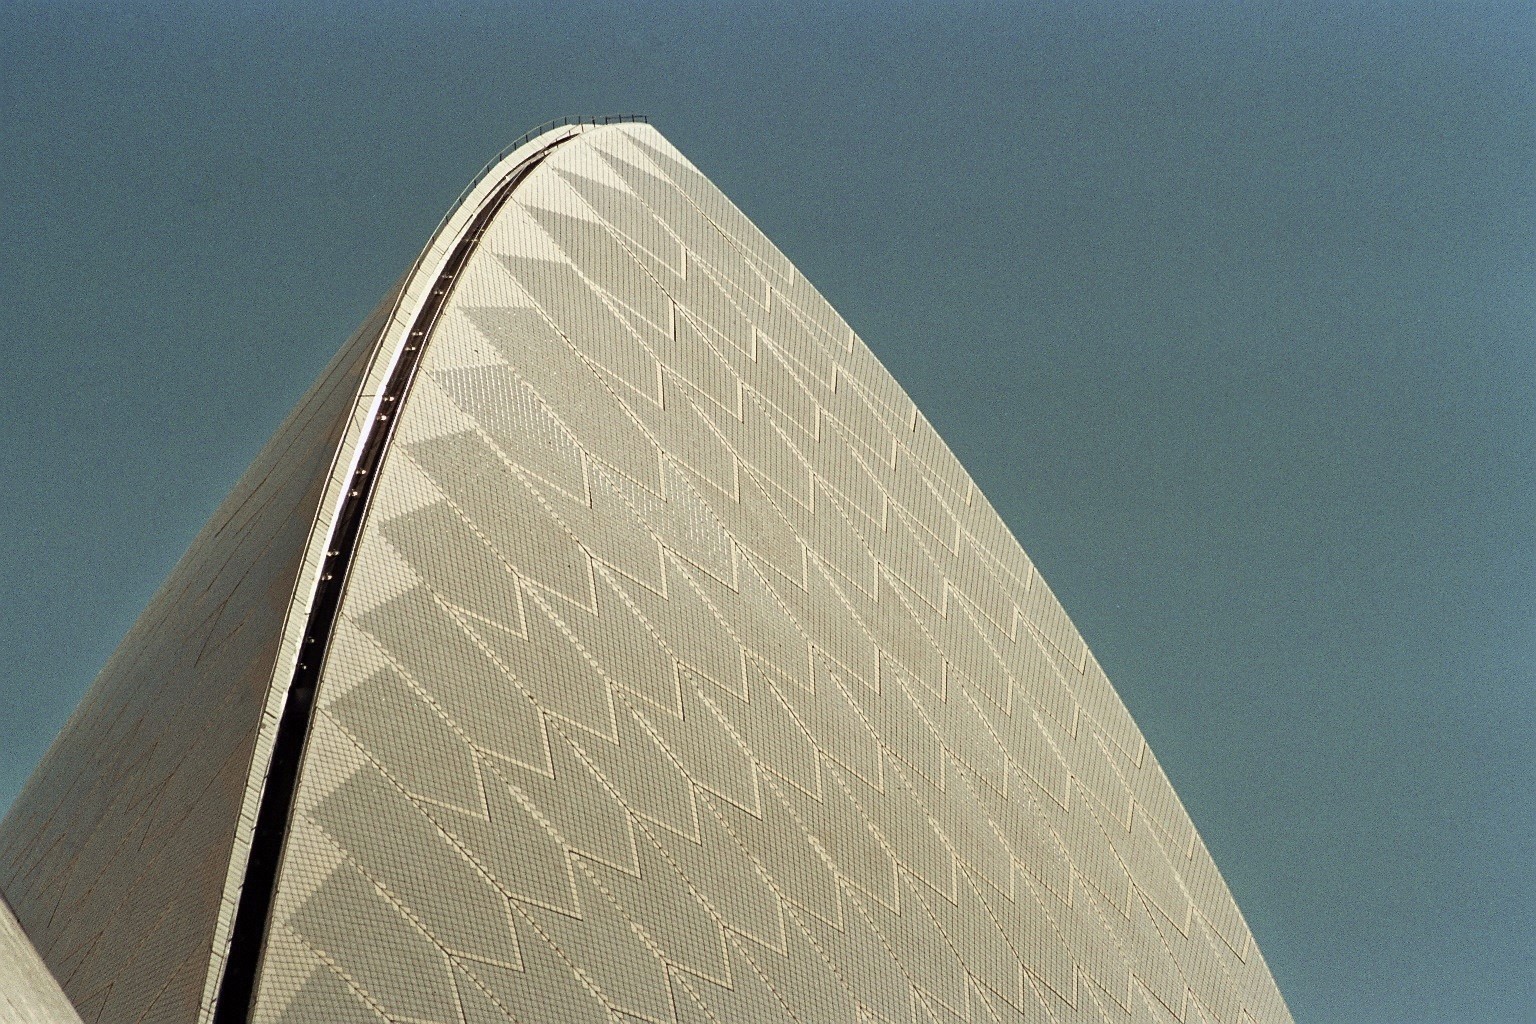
[115, 854]
[684, 675]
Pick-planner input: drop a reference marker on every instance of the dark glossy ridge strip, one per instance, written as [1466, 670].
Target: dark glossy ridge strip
[237, 990]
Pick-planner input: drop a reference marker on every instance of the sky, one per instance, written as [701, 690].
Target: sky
[1229, 309]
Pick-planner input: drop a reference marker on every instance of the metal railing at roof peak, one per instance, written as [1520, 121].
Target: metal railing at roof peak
[559, 122]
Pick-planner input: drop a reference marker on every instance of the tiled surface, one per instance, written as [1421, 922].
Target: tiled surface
[684, 675]
[115, 855]
[28, 992]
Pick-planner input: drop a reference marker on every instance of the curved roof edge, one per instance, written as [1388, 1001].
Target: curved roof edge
[414, 295]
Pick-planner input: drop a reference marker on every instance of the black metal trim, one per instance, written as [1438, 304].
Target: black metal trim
[247, 939]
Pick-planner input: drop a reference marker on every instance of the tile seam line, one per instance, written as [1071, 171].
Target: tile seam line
[238, 987]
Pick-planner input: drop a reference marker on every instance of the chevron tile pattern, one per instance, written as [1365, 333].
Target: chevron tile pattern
[684, 676]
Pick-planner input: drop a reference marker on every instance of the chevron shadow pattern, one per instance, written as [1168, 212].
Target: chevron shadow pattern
[683, 675]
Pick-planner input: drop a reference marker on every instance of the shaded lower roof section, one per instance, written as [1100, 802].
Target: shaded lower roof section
[28, 992]
[115, 855]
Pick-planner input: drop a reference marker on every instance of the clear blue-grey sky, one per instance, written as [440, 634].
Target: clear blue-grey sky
[1229, 309]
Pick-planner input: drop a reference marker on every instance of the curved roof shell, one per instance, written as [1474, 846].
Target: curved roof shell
[632, 649]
